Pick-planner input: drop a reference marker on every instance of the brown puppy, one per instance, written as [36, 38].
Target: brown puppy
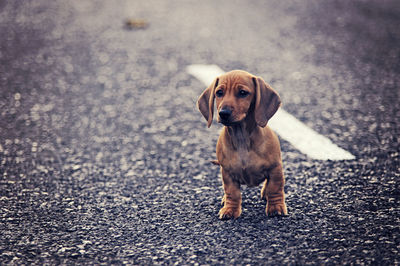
[248, 151]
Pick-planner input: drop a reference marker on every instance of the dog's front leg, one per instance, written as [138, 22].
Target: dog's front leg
[232, 199]
[274, 193]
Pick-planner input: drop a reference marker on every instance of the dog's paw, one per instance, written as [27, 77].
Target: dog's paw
[227, 213]
[278, 209]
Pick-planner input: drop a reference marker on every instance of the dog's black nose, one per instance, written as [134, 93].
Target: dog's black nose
[225, 114]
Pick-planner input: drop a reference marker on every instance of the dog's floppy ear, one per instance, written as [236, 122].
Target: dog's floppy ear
[205, 103]
[267, 101]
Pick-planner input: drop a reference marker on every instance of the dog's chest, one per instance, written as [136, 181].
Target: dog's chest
[245, 167]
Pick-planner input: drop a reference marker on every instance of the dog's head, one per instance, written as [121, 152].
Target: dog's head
[238, 94]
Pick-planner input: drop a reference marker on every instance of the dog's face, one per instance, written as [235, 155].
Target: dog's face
[234, 96]
[238, 94]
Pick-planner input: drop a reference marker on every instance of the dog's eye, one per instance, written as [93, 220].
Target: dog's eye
[243, 93]
[219, 93]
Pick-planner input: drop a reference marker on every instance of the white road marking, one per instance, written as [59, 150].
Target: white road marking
[286, 125]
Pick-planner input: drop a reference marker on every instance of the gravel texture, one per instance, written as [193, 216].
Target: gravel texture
[105, 159]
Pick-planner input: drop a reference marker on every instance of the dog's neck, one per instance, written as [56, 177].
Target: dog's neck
[240, 133]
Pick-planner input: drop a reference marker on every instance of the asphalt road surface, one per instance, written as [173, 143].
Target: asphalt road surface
[104, 157]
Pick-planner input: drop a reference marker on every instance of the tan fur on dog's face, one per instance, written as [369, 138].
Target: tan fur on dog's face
[235, 92]
[227, 90]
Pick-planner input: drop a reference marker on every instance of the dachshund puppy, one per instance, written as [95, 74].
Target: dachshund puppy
[248, 151]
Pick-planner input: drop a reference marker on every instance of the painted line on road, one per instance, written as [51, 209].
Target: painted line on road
[285, 125]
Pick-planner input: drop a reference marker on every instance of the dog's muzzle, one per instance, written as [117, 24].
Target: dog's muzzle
[225, 115]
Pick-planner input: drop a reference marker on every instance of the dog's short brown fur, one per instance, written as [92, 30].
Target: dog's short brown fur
[248, 151]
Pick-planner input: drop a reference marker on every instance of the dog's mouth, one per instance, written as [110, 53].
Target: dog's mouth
[225, 123]
[228, 122]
